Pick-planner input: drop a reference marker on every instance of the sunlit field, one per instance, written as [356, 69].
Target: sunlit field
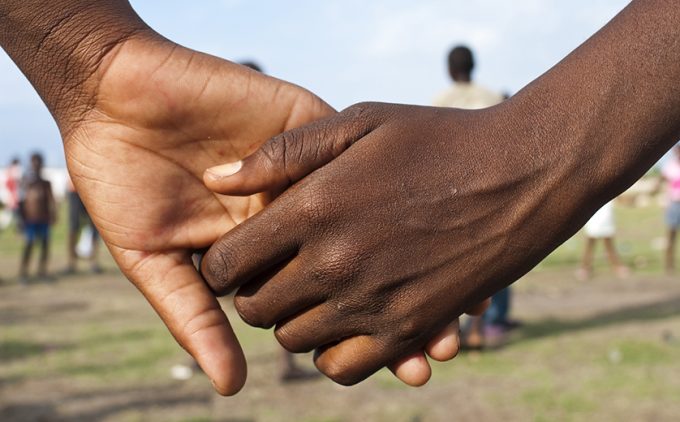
[89, 348]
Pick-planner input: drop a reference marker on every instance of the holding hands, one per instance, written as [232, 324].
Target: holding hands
[347, 261]
[141, 119]
[395, 219]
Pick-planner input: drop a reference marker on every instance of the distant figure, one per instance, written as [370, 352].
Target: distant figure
[464, 93]
[12, 186]
[38, 213]
[251, 65]
[81, 231]
[671, 174]
[489, 329]
[601, 226]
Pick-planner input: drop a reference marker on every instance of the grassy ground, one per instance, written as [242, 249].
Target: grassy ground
[89, 348]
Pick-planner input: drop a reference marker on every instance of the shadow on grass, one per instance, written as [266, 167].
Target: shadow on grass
[18, 314]
[114, 404]
[19, 349]
[553, 327]
[27, 412]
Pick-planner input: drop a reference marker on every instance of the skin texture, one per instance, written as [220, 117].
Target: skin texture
[141, 119]
[140, 124]
[403, 216]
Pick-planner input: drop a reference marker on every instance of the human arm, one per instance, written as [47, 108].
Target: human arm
[141, 118]
[477, 197]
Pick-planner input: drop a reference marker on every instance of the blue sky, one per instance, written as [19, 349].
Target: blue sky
[346, 51]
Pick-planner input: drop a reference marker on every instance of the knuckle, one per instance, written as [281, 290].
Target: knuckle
[340, 372]
[284, 150]
[292, 340]
[359, 109]
[312, 207]
[340, 262]
[369, 113]
[410, 329]
[251, 312]
[273, 149]
[216, 268]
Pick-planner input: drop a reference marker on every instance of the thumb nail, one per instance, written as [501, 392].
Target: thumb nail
[225, 170]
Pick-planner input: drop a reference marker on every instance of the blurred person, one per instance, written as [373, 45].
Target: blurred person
[12, 187]
[601, 226]
[38, 213]
[81, 230]
[251, 65]
[464, 93]
[670, 172]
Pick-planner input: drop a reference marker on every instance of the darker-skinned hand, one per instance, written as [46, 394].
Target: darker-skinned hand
[399, 218]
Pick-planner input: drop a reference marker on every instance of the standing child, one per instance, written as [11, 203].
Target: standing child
[12, 180]
[38, 213]
[671, 173]
[601, 226]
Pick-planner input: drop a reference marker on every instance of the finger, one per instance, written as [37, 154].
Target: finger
[413, 370]
[191, 312]
[353, 360]
[314, 328]
[290, 156]
[252, 248]
[480, 308]
[277, 295]
[445, 345]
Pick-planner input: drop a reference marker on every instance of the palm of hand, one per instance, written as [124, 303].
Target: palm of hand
[162, 115]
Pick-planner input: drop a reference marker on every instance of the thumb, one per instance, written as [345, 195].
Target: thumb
[290, 156]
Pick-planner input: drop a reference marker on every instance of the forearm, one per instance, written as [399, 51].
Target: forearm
[611, 109]
[60, 44]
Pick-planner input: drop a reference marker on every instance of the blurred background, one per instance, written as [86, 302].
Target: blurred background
[593, 333]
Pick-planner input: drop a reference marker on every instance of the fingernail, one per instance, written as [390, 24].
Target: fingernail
[225, 170]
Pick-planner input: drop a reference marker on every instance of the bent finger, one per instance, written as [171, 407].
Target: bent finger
[445, 345]
[254, 247]
[354, 359]
[413, 370]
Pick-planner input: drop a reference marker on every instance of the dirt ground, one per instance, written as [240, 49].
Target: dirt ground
[86, 348]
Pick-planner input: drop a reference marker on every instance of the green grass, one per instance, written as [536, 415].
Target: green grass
[90, 352]
[638, 233]
[607, 366]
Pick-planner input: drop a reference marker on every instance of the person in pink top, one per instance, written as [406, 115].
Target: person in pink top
[12, 181]
[671, 173]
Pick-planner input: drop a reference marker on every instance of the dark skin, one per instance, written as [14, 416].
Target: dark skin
[462, 203]
[141, 119]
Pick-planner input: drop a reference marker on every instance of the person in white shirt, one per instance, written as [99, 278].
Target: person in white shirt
[464, 93]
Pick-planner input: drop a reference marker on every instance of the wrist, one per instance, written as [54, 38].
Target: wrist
[558, 178]
[60, 47]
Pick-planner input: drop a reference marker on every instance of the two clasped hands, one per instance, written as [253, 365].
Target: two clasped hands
[164, 119]
[386, 221]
